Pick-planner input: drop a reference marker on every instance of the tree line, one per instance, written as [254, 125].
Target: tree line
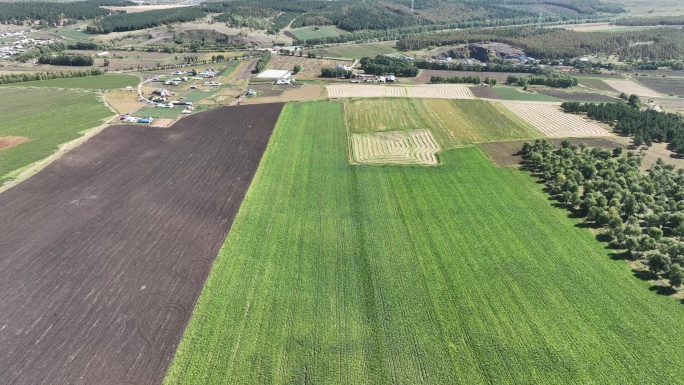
[642, 214]
[385, 65]
[148, 19]
[65, 59]
[553, 79]
[262, 62]
[653, 20]
[645, 126]
[455, 79]
[547, 43]
[335, 73]
[35, 76]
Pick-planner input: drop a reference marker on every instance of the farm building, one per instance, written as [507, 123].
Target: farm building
[161, 92]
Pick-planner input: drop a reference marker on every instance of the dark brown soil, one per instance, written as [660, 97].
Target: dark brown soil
[485, 93]
[103, 253]
[507, 154]
[246, 71]
[578, 96]
[11, 141]
[666, 86]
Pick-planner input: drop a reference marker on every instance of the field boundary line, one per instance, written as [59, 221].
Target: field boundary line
[62, 150]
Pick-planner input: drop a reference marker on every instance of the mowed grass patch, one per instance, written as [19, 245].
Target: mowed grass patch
[454, 123]
[462, 273]
[357, 51]
[48, 118]
[158, 112]
[99, 82]
[315, 32]
[509, 93]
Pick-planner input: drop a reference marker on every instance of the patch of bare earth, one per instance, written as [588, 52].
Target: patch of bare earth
[11, 141]
[162, 122]
[507, 154]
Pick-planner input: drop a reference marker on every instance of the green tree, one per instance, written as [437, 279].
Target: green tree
[676, 275]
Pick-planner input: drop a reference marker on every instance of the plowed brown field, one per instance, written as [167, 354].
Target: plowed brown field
[103, 253]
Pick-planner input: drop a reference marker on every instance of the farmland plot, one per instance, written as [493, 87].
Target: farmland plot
[553, 122]
[441, 91]
[631, 88]
[104, 252]
[667, 86]
[454, 123]
[459, 274]
[395, 147]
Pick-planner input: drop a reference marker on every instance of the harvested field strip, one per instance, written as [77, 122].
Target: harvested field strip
[596, 84]
[446, 91]
[104, 252]
[49, 118]
[667, 86]
[553, 122]
[453, 123]
[631, 88]
[460, 274]
[578, 96]
[11, 141]
[396, 147]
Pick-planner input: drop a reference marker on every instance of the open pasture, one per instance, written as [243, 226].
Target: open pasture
[311, 68]
[99, 82]
[553, 122]
[104, 252]
[665, 86]
[124, 101]
[48, 118]
[357, 51]
[157, 112]
[459, 274]
[314, 32]
[596, 84]
[453, 123]
[394, 147]
[630, 87]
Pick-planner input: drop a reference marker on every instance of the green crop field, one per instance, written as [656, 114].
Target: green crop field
[48, 118]
[158, 112]
[462, 273]
[509, 93]
[309, 32]
[100, 82]
[454, 123]
[357, 51]
[196, 96]
[227, 74]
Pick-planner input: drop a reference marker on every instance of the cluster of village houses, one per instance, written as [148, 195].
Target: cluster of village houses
[17, 47]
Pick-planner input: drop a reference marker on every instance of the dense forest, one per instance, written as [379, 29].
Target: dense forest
[645, 126]
[658, 43]
[32, 11]
[141, 20]
[641, 214]
[654, 20]
[33, 76]
[385, 65]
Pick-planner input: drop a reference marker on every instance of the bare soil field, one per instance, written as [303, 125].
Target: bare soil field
[424, 76]
[485, 93]
[631, 88]
[311, 68]
[244, 72]
[507, 154]
[440, 91]
[104, 252]
[592, 27]
[666, 86]
[553, 122]
[11, 141]
[663, 72]
[294, 94]
[395, 147]
[577, 96]
[677, 105]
